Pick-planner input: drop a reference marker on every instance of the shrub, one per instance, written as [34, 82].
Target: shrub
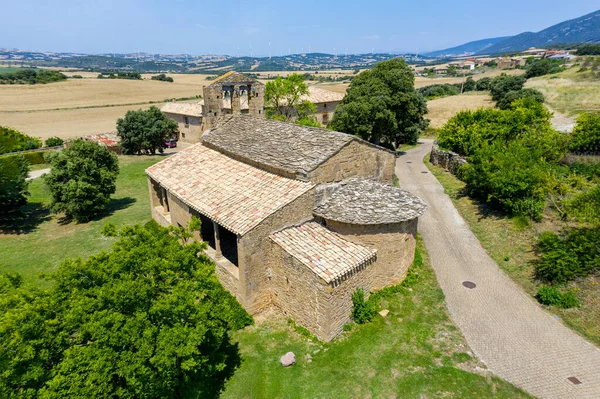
[549, 295]
[13, 184]
[54, 141]
[36, 158]
[564, 258]
[483, 84]
[502, 84]
[543, 67]
[12, 140]
[510, 97]
[362, 311]
[586, 134]
[82, 179]
[162, 77]
[585, 206]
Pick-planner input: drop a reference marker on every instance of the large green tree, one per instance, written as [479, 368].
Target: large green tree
[145, 131]
[148, 319]
[382, 105]
[13, 182]
[82, 179]
[285, 99]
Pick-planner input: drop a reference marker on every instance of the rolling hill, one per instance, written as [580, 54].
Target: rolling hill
[585, 29]
[467, 48]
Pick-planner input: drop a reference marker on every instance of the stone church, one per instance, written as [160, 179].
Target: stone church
[294, 217]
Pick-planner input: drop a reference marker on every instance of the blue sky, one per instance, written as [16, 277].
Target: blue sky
[233, 27]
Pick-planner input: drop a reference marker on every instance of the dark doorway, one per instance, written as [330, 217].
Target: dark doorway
[228, 241]
[207, 230]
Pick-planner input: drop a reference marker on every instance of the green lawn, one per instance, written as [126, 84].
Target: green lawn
[415, 352]
[39, 241]
[510, 242]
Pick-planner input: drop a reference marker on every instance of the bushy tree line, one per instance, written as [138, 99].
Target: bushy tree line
[120, 75]
[589, 49]
[149, 319]
[543, 66]
[382, 106]
[31, 76]
[452, 89]
[163, 78]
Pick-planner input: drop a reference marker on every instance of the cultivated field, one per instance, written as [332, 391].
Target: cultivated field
[569, 92]
[442, 109]
[85, 106]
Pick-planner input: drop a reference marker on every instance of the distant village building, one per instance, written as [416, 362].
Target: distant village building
[440, 70]
[511, 63]
[294, 217]
[188, 117]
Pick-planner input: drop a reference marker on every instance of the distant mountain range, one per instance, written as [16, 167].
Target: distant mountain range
[585, 29]
[468, 48]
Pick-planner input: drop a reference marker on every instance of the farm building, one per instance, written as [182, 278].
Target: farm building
[109, 140]
[188, 117]
[294, 217]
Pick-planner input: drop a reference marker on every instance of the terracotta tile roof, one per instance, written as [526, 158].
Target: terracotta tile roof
[188, 109]
[317, 95]
[107, 139]
[364, 201]
[234, 194]
[327, 254]
[284, 146]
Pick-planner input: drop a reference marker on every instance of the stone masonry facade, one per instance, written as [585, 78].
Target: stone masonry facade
[301, 229]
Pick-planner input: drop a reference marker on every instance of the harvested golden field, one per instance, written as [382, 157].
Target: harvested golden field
[569, 92]
[85, 106]
[75, 93]
[442, 109]
[69, 123]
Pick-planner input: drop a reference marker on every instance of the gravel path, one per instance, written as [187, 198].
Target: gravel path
[37, 173]
[516, 338]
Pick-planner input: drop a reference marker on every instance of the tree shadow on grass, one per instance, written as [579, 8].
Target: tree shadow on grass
[485, 210]
[24, 219]
[115, 204]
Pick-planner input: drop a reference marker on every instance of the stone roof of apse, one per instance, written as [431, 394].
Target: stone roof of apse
[281, 145]
[188, 109]
[367, 202]
[234, 77]
[234, 194]
[325, 253]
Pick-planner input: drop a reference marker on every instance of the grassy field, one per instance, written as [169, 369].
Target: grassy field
[442, 109]
[415, 352]
[39, 241]
[510, 242]
[569, 91]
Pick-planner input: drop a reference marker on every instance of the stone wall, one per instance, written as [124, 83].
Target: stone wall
[310, 301]
[448, 160]
[395, 245]
[356, 159]
[191, 132]
[255, 249]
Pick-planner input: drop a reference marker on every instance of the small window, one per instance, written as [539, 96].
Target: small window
[186, 120]
[325, 118]
[325, 106]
